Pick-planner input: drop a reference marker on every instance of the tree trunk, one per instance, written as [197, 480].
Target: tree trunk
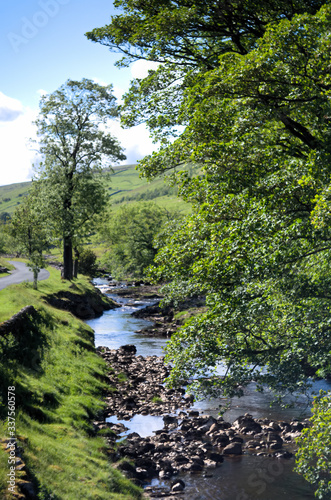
[35, 278]
[76, 262]
[67, 259]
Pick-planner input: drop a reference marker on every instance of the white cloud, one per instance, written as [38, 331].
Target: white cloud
[10, 108]
[139, 69]
[135, 141]
[42, 92]
[118, 93]
[16, 155]
[100, 82]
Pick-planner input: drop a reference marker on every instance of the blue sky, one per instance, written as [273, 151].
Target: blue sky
[42, 45]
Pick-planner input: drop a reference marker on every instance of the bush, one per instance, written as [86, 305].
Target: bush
[5, 217]
[87, 262]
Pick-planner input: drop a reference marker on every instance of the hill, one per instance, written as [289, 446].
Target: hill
[123, 184]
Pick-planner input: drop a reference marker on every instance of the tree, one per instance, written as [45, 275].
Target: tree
[29, 229]
[251, 245]
[255, 109]
[255, 106]
[71, 127]
[5, 217]
[314, 455]
[186, 39]
[130, 233]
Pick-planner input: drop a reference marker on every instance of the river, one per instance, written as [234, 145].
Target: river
[246, 477]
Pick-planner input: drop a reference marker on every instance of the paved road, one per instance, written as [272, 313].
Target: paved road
[21, 273]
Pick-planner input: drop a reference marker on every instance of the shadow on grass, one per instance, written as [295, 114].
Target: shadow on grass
[21, 354]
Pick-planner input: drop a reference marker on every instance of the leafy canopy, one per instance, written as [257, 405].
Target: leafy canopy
[259, 124]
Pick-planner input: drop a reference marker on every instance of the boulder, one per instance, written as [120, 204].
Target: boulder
[246, 424]
[128, 349]
[233, 449]
[178, 485]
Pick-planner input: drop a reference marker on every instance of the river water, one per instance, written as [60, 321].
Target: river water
[246, 477]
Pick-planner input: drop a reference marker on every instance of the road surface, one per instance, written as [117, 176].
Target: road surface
[21, 273]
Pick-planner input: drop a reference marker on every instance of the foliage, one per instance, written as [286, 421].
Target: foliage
[29, 229]
[314, 455]
[255, 117]
[257, 120]
[87, 262]
[186, 39]
[75, 148]
[130, 233]
[4, 217]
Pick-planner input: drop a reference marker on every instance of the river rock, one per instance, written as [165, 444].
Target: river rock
[246, 424]
[233, 449]
[188, 442]
[178, 485]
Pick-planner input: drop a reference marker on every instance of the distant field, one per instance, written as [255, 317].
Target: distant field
[124, 186]
[11, 196]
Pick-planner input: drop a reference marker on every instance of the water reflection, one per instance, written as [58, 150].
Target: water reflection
[144, 425]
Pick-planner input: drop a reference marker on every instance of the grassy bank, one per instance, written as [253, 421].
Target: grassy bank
[59, 381]
[5, 263]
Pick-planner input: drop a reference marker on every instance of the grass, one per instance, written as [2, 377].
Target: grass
[157, 399]
[59, 381]
[11, 195]
[5, 263]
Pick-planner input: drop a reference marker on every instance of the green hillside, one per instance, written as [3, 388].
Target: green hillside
[11, 195]
[124, 186]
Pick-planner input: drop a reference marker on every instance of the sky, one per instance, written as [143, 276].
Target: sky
[42, 45]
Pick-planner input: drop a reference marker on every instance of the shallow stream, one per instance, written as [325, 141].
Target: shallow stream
[246, 477]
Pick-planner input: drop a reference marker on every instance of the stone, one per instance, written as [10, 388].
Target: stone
[272, 437]
[275, 446]
[193, 413]
[168, 419]
[216, 457]
[128, 349]
[246, 424]
[233, 449]
[178, 485]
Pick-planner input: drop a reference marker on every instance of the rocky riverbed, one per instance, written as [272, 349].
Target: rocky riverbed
[188, 442]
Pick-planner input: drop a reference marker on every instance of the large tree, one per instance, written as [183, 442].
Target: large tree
[254, 103]
[186, 39]
[72, 128]
[250, 82]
